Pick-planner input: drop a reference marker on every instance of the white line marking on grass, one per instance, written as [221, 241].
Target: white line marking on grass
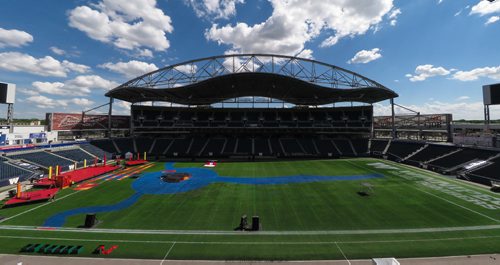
[336, 244]
[239, 233]
[461, 206]
[253, 242]
[428, 193]
[456, 204]
[168, 252]
[40, 206]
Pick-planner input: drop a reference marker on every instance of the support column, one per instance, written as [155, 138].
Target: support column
[419, 126]
[393, 134]
[10, 116]
[486, 118]
[132, 120]
[110, 113]
[372, 133]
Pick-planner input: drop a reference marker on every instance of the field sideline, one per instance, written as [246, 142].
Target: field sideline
[410, 213]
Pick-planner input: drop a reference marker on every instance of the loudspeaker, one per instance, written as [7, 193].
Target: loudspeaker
[90, 220]
[255, 223]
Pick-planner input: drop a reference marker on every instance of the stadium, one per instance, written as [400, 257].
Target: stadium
[250, 157]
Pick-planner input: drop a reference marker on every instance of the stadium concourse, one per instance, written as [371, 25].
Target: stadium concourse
[289, 140]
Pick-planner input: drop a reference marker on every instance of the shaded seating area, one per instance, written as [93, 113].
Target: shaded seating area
[345, 147]
[401, 150]
[75, 155]
[125, 145]
[43, 158]
[95, 150]
[378, 146]
[9, 171]
[461, 157]
[432, 151]
[143, 144]
[486, 174]
[105, 144]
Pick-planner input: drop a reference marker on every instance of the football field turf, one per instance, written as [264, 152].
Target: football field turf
[308, 210]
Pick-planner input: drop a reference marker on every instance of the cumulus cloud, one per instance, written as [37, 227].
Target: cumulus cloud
[492, 20]
[46, 66]
[393, 16]
[145, 53]
[366, 56]
[187, 69]
[218, 9]
[14, 38]
[57, 51]
[50, 103]
[130, 69]
[45, 102]
[130, 24]
[474, 74]
[80, 86]
[422, 72]
[293, 23]
[121, 107]
[485, 7]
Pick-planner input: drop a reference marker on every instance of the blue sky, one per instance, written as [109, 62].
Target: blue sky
[64, 55]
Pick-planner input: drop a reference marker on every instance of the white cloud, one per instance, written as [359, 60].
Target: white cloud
[484, 8]
[46, 66]
[492, 20]
[474, 74]
[145, 53]
[422, 72]
[121, 108]
[440, 1]
[28, 92]
[130, 24]
[293, 23]
[44, 102]
[187, 69]
[14, 38]
[393, 16]
[214, 8]
[366, 56]
[57, 51]
[80, 86]
[130, 69]
[83, 102]
[462, 98]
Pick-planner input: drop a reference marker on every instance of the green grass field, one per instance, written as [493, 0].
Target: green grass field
[410, 213]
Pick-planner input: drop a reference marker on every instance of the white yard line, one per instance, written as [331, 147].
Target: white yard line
[428, 193]
[342, 252]
[168, 252]
[252, 242]
[240, 233]
[40, 206]
[458, 205]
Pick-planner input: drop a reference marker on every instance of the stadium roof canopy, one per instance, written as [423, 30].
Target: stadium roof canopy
[291, 79]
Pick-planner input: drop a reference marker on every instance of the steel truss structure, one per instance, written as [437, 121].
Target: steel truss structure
[165, 84]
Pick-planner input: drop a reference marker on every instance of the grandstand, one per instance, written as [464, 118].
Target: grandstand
[272, 113]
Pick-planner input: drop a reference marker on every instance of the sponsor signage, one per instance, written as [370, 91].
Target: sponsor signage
[38, 135]
[73, 121]
[13, 181]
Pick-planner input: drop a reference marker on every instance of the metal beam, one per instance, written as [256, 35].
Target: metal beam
[110, 113]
